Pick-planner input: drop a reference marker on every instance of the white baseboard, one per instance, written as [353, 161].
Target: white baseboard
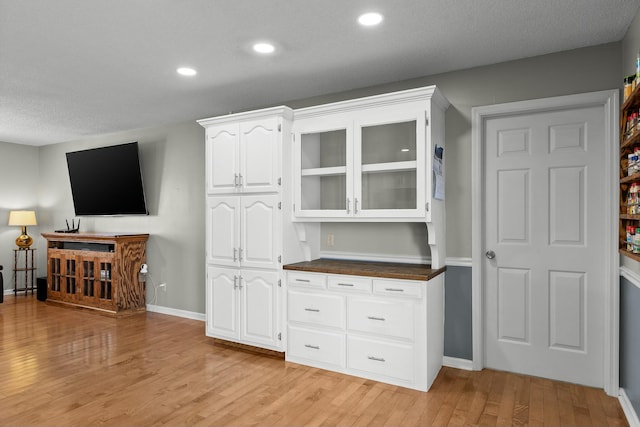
[627, 408]
[176, 312]
[454, 362]
[631, 276]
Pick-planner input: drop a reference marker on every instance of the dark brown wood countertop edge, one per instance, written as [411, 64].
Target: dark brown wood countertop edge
[369, 269]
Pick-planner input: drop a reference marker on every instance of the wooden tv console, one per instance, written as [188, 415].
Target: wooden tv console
[97, 271]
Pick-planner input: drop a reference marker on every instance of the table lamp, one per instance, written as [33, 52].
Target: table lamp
[22, 219]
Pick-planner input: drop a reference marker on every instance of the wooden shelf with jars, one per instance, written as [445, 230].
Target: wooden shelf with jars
[629, 218]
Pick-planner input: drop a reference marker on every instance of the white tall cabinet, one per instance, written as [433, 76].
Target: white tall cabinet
[245, 190]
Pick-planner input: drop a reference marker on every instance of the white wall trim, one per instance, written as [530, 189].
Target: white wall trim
[609, 100]
[176, 312]
[375, 257]
[454, 362]
[631, 276]
[627, 408]
[458, 262]
[450, 261]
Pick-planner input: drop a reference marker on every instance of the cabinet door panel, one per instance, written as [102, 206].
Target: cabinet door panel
[259, 307]
[260, 231]
[222, 302]
[259, 155]
[389, 154]
[222, 159]
[323, 166]
[222, 238]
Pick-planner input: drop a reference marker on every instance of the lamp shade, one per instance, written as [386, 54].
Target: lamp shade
[22, 218]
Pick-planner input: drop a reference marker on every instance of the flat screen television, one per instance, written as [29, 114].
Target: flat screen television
[107, 181]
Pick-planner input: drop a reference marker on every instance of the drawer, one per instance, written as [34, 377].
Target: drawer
[307, 280]
[381, 358]
[397, 288]
[391, 318]
[323, 347]
[317, 309]
[349, 283]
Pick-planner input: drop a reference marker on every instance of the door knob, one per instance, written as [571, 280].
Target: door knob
[490, 254]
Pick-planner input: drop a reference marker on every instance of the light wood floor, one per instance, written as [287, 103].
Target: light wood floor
[66, 367]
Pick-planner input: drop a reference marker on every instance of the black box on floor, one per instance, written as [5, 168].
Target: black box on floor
[41, 292]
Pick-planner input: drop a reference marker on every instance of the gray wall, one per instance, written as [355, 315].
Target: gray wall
[173, 169]
[630, 341]
[629, 295]
[577, 71]
[172, 163]
[457, 313]
[19, 169]
[570, 72]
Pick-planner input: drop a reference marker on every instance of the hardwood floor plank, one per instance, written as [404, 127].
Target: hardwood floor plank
[64, 367]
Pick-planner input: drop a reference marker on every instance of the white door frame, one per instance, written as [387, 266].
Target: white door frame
[609, 100]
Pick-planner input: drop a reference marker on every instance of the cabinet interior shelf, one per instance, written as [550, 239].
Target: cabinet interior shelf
[630, 217]
[629, 142]
[404, 166]
[630, 254]
[630, 178]
[330, 171]
[390, 167]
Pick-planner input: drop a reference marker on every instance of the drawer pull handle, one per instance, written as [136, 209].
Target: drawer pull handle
[315, 347]
[315, 310]
[394, 289]
[376, 318]
[303, 280]
[376, 359]
[345, 284]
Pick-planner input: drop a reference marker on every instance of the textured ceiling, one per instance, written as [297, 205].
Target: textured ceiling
[74, 68]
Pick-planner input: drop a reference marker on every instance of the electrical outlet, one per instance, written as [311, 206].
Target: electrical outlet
[330, 240]
[163, 286]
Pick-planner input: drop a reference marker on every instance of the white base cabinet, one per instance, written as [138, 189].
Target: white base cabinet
[387, 330]
[243, 306]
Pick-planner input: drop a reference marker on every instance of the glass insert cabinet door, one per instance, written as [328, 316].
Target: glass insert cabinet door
[326, 179]
[366, 168]
[387, 156]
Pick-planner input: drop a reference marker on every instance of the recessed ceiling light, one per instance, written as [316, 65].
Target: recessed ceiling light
[186, 71]
[405, 150]
[263, 47]
[370, 19]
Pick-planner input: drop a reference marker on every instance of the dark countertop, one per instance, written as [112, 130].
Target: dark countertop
[390, 270]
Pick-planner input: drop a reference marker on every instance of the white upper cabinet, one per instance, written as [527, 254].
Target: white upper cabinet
[244, 231]
[243, 157]
[368, 159]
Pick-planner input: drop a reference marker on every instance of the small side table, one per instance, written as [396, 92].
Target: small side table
[24, 269]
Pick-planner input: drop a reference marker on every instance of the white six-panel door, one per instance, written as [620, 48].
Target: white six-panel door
[544, 231]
